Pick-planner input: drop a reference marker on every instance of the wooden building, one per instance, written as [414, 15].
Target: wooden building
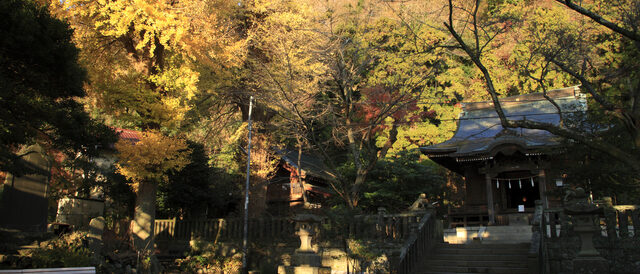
[506, 170]
[24, 200]
[285, 192]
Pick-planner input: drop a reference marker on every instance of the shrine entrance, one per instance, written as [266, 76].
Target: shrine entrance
[516, 189]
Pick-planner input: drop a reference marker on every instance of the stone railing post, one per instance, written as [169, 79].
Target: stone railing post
[610, 218]
[381, 226]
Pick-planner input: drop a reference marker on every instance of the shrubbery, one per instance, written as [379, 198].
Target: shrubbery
[66, 251]
[208, 257]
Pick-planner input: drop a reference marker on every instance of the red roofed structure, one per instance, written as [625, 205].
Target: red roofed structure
[128, 134]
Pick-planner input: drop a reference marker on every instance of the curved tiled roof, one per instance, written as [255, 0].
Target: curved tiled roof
[479, 128]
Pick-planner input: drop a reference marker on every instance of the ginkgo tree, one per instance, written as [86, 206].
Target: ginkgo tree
[146, 163]
[141, 56]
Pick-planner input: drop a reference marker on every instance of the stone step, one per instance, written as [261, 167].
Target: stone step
[495, 234]
[474, 263]
[480, 257]
[512, 228]
[464, 269]
[439, 272]
[478, 251]
[477, 258]
[520, 246]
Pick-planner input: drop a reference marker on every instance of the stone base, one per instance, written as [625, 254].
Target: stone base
[303, 270]
[590, 265]
[306, 258]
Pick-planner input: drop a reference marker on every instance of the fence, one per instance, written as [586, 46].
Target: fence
[418, 246]
[222, 229]
[387, 227]
[618, 222]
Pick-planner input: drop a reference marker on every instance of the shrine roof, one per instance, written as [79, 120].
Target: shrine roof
[479, 128]
[308, 163]
[128, 134]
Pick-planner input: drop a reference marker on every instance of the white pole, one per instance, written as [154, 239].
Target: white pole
[245, 253]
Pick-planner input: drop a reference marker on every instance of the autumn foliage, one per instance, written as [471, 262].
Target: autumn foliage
[149, 159]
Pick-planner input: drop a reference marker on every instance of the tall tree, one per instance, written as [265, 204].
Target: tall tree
[140, 56]
[379, 73]
[188, 193]
[146, 164]
[343, 82]
[40, 80]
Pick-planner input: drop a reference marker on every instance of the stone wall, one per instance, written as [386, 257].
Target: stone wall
[622, 255]
[616, 237]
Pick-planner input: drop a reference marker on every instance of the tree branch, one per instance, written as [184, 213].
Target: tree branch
[586, 85]
[600, 20]
[599, 145]
[475, 58]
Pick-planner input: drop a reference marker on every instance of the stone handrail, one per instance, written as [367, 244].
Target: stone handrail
[387, 227]
[551, 222]
[427, 233]
[616, 222]
[537, 252]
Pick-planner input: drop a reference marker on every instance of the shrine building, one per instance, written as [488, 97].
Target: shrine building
[506, 170]
[285, 192]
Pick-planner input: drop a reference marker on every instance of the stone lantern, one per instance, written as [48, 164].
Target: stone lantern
[305, 259]
[585, 224]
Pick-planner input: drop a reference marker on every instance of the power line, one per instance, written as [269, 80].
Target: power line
[456, 119]
[366, 124]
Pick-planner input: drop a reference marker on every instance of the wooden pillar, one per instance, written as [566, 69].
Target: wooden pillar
[503, 198]
[490, 209]
[467, 178]
[542, 187]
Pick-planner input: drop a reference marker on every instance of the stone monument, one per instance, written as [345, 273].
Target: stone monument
[96, 229]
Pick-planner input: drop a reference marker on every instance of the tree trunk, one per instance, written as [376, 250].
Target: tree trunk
[142, 227]
[361, 176]
[299, 174]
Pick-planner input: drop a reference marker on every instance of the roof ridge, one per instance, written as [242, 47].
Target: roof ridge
[573, 91]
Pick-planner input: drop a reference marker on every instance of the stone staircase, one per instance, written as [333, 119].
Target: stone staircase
[489, 234]
[477, 258]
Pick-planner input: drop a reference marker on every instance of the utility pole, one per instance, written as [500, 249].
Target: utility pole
[245, 252]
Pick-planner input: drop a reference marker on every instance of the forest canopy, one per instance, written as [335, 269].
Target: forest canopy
[359, 85]
[352, 82]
